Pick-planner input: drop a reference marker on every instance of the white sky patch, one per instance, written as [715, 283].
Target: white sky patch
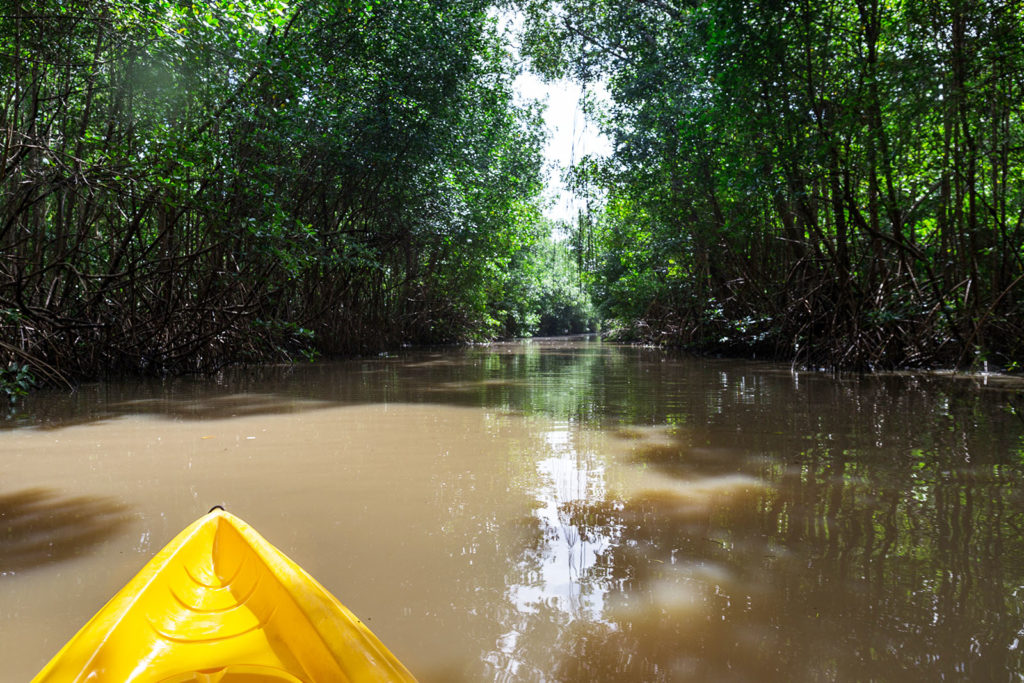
[572, 136]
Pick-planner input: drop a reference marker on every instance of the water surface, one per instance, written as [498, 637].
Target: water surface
[564, 511]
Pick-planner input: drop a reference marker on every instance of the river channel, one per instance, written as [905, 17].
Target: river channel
[554, 510]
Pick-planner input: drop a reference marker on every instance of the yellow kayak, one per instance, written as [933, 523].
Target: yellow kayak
[220, 604]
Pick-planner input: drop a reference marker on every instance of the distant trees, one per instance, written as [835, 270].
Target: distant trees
[186, 185]
[837, 182]
[544, 292]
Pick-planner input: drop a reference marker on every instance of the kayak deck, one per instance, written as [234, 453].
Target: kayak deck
[220, 604]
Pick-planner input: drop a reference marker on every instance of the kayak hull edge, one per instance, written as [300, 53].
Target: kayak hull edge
[220, 604]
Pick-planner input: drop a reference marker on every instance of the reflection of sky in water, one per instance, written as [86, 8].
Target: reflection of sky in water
[562, 581]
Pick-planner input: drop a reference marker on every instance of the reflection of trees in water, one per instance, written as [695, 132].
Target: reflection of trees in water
[846, 585]
[888, 544]
[916, 563]
[40, 527]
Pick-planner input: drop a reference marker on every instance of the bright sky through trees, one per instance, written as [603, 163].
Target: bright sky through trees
[572, 136]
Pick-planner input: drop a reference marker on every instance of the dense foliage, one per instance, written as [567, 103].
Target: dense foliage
[545, 294]
[840, 182]
[185, 185]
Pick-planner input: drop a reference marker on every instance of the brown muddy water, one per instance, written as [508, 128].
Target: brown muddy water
[555, 511]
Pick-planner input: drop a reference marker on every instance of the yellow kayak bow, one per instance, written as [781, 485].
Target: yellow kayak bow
[219, 604]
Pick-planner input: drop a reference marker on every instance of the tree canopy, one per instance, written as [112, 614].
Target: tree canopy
[186, 185]
[837, 182]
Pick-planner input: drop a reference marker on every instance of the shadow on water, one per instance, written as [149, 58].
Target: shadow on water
[594, 384]
[40, 526]
[552, 377]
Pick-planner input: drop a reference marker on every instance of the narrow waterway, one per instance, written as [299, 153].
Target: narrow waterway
[555, 511]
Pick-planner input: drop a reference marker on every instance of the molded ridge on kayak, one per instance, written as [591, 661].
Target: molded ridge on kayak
[219, 604]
